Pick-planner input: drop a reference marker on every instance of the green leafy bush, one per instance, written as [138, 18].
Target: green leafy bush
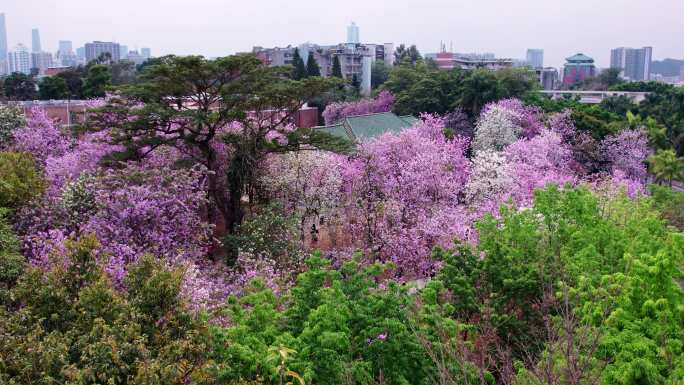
[20, 181]
[74, 327]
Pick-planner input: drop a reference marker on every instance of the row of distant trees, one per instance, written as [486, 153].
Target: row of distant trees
[80, 82]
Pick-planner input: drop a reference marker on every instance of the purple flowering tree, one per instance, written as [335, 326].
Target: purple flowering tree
[335, 112]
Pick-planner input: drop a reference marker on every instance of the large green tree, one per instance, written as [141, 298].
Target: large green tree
[336, 67]
[666, 166]
[53, 87]
[74, 81]
[19, 86]
[96, 82]
[379, 73]
[189, 102]
[299, 71]
[312, 68]
[407, 55]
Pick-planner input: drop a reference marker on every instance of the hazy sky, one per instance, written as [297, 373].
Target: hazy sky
[220, 27]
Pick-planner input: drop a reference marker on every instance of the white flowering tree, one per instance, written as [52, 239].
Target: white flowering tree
[495, 130]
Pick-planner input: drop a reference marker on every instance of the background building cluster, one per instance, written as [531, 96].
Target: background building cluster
[38, 61]
[356, 60]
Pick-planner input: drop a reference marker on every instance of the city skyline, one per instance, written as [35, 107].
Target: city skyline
[214, 29]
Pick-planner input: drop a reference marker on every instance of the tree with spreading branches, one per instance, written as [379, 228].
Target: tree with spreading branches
[225, 114]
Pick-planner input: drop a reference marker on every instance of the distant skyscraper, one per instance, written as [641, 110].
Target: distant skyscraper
[41, 61]
[578, 68]
[3, 37]
[146, 53]
[35, 40]
[80, 53]
[123, 51]
[634, 63]
[95, 49]
[65, 47]
[135, 57]
[20, 59]
[353, 34]
[535, 58]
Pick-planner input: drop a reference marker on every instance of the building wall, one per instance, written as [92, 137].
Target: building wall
[535, 58]
[20, 60]
[42, 61]
[3, 38]
[634, 63]
[95, 49]
[35, 41]
[574, 74]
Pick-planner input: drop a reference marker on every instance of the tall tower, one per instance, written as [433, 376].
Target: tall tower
[353, 34]
[3, 38]
[35, 40]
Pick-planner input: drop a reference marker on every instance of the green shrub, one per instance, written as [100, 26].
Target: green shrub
[75, 328]
[20, 181]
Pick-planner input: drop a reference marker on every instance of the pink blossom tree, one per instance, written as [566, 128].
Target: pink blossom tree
[403, 191]
[41, 137]
[537, 162]
[335, 112]
[627, 152]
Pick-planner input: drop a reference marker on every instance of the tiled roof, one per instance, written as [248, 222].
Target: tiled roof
[580, 57]
[364, 127]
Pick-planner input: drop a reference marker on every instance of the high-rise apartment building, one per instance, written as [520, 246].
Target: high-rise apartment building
[65, 46]
[95, 49]
[123, 51]
[135, 57]
[535, 58]
[41, 61]
[634, 63]
[65, 55]
[35, 41]
[19, 59]
[353, 34]
[3, 38]
[578, 68]
[146, 53]
[4, 64]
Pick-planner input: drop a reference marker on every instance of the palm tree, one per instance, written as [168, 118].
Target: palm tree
[666, 166]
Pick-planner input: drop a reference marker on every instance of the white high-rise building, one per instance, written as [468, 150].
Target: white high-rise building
[535, 58]
[35, 41]
[4, 65]
[65, 46]
[20, 59]
[41, 61]
[634, 63]
[353, 34]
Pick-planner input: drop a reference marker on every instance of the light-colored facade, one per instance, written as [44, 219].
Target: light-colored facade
[146, 53]
[449, 60]
[634, 63]
[35, 41]
[95, 49]
[548, 78]
[66, 56]
[123, 51]
[353, 34]
[41, 61]
[355, 59]
[4, 62]
[19, 60]
[535, 58]
[135, 57]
